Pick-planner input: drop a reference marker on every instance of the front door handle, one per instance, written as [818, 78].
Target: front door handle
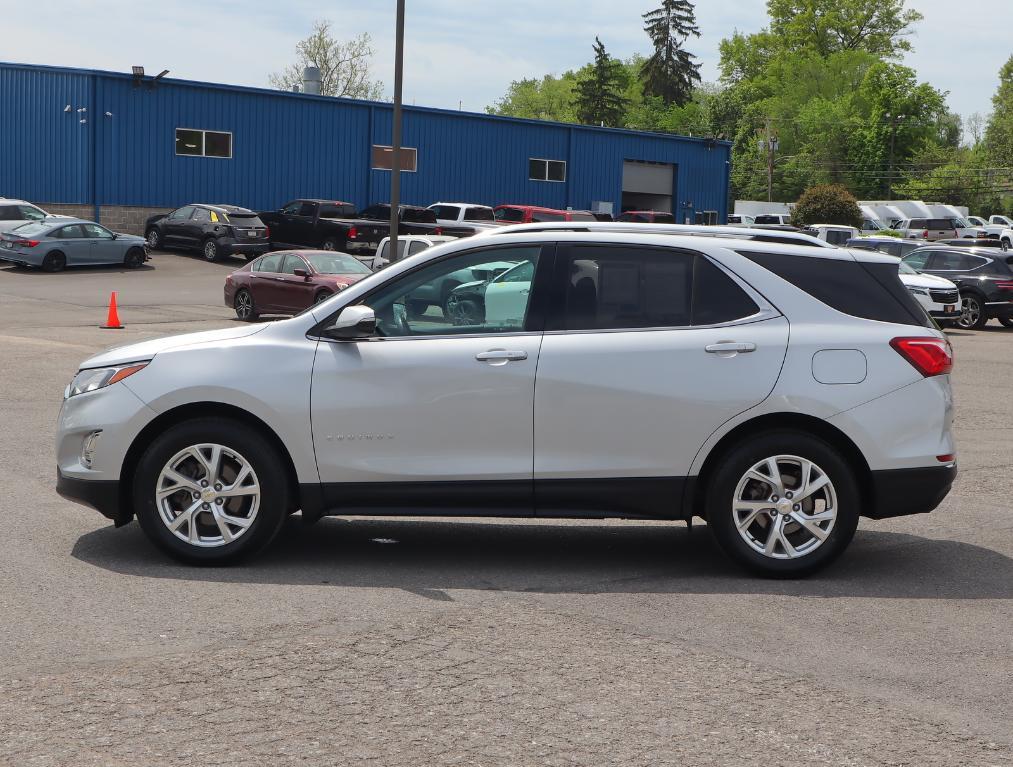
[730, 347]
[501, 356]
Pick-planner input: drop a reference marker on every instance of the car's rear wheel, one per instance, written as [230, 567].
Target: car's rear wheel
[330, 244]
[210, 491]
[54, 261]
[154, 238]
[210, 250]
[134, 258]
[1005, 244]
[323, 295]
[973, 314]
[243, 304]
[783, 504]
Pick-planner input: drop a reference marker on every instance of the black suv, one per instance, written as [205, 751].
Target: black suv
[213, 230]
[983, 275]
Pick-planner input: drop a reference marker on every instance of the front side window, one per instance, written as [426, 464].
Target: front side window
[292, 209]
[292, 263]
[546, 170]
[473, 304]
[96, 232]
[191, 142]
[917, 260]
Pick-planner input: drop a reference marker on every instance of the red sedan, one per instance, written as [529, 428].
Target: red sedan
[288, 281]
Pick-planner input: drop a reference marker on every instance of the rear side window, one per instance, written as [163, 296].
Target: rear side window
[478, 214]
[202, 215]
[271, 263]
[9, 213]
[867, 290]
[610, 288]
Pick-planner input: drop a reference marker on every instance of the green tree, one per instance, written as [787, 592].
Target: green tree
[878, 27]
[550, 98]
[600, 99]
[999, 133]
[344, 66]
[827, 204]
[671, 71]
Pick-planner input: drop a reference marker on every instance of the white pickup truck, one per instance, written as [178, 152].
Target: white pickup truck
[997, 224]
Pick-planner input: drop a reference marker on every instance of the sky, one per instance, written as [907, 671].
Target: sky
[457, 53]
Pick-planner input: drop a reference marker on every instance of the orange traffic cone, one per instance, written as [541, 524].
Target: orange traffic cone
[113, 320]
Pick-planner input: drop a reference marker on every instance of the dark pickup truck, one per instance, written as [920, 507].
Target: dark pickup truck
[334, 225]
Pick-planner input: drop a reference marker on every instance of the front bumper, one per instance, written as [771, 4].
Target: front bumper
[899, 492]
[102, 495]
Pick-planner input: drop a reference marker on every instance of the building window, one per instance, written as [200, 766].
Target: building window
[203, 143]
[383, 158]
[546, 170]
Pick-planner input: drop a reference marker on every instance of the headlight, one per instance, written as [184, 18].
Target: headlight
[919, 291]
[98, 378]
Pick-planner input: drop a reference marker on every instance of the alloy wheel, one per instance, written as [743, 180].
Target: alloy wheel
[784, 507]
[154, 239]
[210, 250]
[207, 495]
[244, 305]
[970, 313]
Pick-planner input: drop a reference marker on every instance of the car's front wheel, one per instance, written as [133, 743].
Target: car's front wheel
[134, 258]
[210, 491]
[154, 238]
[783, 504]
[246, 310]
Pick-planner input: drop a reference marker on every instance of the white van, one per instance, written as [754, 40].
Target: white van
[834, 234]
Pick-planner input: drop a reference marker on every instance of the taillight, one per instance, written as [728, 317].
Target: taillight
[26, 243]
[929, 356]
[1004, 285]
[438, 230]
[267, 231]
[925, 234]
[353, 233]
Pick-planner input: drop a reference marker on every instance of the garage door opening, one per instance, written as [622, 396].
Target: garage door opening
[647, 186]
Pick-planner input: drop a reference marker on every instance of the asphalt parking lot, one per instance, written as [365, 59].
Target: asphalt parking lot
[420, 641]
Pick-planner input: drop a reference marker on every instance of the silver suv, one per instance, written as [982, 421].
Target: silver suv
[778, 391]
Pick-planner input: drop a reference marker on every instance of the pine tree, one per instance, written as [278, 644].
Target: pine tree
[600, 98]
[671, 72]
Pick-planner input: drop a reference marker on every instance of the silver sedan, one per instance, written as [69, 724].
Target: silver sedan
[54, 243]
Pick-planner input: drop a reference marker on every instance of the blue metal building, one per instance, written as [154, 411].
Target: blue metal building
[106, 139]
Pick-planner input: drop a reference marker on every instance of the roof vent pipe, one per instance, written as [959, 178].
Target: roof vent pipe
[311, 80]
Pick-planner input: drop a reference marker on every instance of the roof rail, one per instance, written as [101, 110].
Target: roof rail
[733, 232]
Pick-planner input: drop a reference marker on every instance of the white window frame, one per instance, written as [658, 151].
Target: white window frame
[546, 160]
[412, 149]
[203, 143]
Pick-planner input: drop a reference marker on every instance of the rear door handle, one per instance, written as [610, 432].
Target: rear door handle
[501, 356]
[730, 347]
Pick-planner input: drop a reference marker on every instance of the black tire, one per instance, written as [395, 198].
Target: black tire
[973, 312]
[732, 469]
[1005, 244]
[134, 258]
[154, 238]
[1006, 322]
[209, 249]
[54, 261]
[323, 295]
[246, 310]
[249, 256]
[234, 436]
[330, 243]
[463, 310]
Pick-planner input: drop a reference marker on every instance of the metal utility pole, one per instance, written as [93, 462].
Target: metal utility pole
[769, 145]
[894, 121]
[395, 159]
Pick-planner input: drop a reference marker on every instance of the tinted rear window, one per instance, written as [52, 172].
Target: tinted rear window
[767, 220]
[542, 215]
[478, 214]
[941, 223]
[509, 214]
[664, 218]
[868, 290]
[337, 211]
[418, 215]
[245, 219]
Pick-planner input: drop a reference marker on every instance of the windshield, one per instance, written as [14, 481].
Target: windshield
[337, 263]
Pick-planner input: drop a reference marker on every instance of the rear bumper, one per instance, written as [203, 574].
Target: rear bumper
[899, 492]
[252, 248]
[102, 495]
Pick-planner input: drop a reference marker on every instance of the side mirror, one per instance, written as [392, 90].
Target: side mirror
[301, 273]
[353, 323]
